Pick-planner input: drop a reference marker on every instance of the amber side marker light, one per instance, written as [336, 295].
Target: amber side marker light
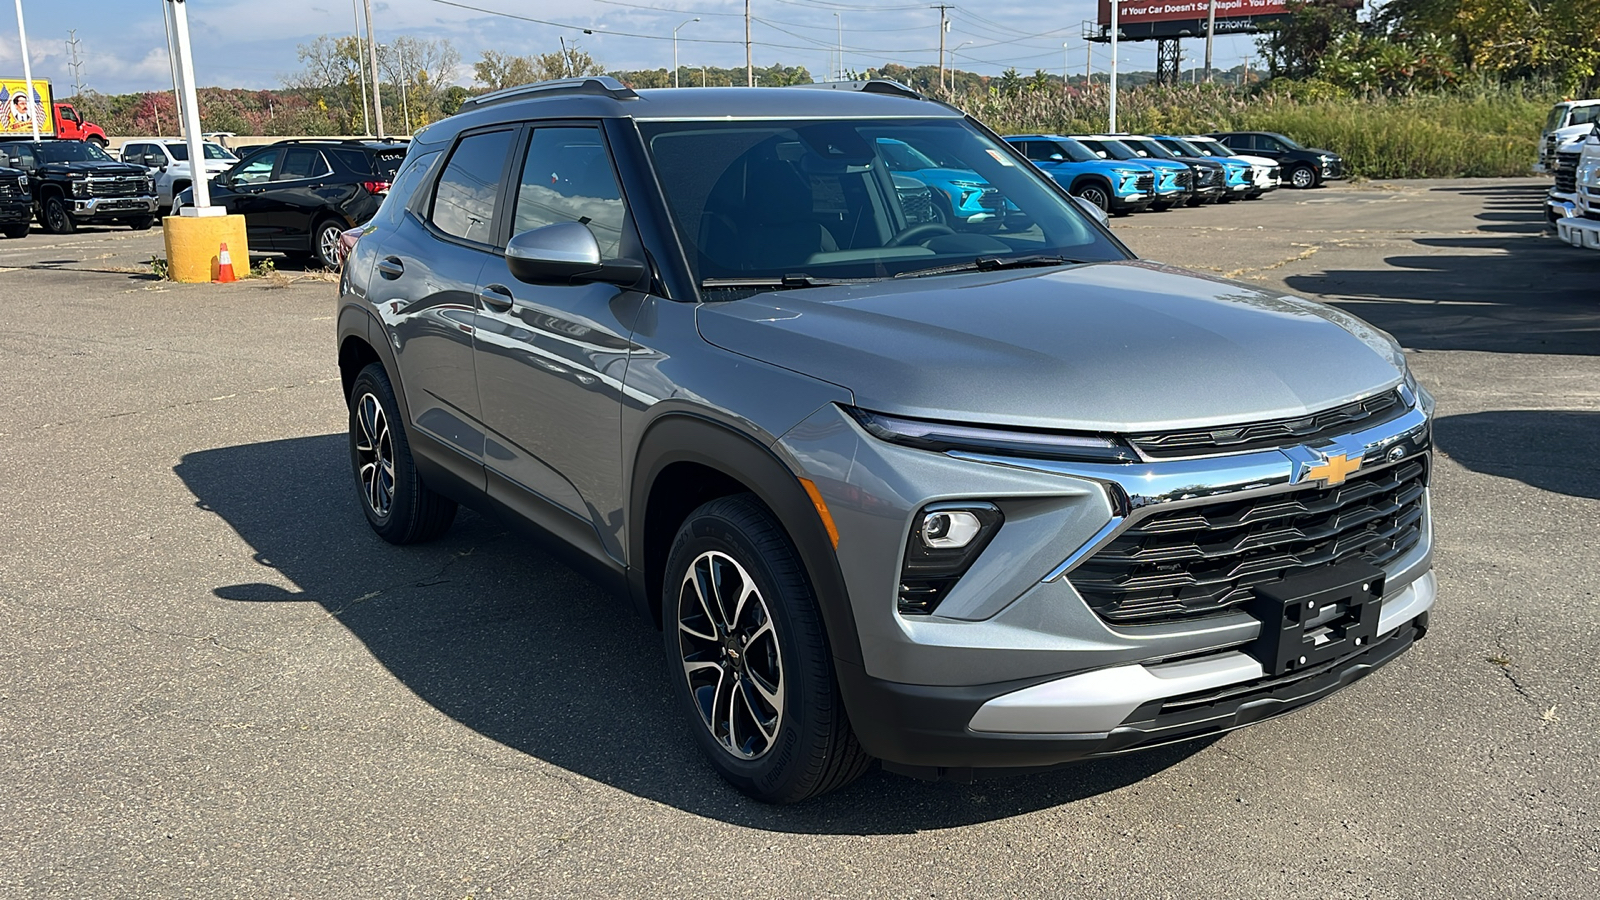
[822, 510]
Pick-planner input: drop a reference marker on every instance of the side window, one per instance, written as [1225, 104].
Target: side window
[256, 169]
[302, 162]
[133, 153]
[24, 154]
[1267, 143]
[567, 177]
[463, 202]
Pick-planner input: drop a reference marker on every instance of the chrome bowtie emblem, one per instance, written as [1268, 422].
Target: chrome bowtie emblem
[1334, 469]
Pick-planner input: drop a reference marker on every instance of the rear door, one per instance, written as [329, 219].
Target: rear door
[425, 286]
[291, 200]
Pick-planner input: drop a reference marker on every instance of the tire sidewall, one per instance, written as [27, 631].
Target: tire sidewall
[776, 774]
[373, 380]
[1092, 190]
[56, 203]
[316, 242]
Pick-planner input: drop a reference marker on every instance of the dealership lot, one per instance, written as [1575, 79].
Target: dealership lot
[217, 682]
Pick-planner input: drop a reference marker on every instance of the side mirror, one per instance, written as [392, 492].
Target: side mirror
[566, 253]
[1056, 157]
[1096, 212]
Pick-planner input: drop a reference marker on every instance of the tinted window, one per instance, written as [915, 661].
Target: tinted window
[22, 152]
[255, 169]
[133, 153]
[302, 162]
[463, 203]
[73, 151]
[567, 177]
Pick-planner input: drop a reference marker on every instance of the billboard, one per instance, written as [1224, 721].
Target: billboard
[1137, 12]
[18, 105]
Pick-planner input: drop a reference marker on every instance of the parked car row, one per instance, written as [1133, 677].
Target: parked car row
[1126, 173]
[66, 183]
[168, 162]
[1574, 203]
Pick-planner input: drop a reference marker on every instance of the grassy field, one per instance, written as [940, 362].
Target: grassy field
[1479, 133]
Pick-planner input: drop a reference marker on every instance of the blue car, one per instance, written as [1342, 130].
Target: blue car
[1115, 186]
[1174, 180]
[1238, 180]
[961, 194]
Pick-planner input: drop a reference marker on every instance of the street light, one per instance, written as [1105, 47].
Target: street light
[1064, 46]
[675, 51]
[957, 47]
[840, 23]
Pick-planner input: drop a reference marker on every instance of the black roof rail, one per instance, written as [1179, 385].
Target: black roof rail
[598, 85]
[334, 140]
[870, 86]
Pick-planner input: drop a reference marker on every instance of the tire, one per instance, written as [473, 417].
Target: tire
[1302, 177]
[55, 216]
[325, 243]
[98, 142]
[1095, 193]
[784, 737]
[140, 223]
[15, 231]
[400, 508]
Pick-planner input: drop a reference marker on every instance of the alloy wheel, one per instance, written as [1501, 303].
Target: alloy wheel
[1303, 177]
[1095, 195]
[729, 649]
[328, 246]
[374, 455]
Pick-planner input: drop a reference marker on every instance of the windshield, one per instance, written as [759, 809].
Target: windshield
[180, 152]
[1151, 147]
[1210, 147]
[1182, 147]
[1111, 149]
[1585, 115]
[1075, 151]
[857, 198]
[1288, 143]
[71, 151]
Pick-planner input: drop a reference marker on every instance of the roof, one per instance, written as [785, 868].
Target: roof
[607, 98]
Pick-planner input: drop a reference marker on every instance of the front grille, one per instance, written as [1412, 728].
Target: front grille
[918, 207]
[1207, 177]
[1145, 184]
[1182, 179]
[1270, 434]
[1566, 171]
[1335, 168]
[9, 188]
[117, 186]
[1201, 560]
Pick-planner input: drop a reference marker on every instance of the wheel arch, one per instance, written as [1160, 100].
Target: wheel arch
[1095, 179]
[685, 460]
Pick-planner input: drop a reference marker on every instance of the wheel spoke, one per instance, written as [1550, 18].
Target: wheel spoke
[773, 695]
[687, 629]
[767, 726]
[701, 574]
[743, 703]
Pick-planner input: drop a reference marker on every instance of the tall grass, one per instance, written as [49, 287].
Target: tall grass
[1481, 132]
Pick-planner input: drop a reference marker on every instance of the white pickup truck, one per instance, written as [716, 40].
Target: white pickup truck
[1581, 227]
[1567, 120]
[168, 162]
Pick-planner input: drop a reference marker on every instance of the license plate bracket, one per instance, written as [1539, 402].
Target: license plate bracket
[1311, 618]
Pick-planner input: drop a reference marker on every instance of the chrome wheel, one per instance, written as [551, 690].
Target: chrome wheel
[328, 246]
[1096, 195]
[374, 455]
[730, 655]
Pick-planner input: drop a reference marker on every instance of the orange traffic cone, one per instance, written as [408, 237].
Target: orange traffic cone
[225, 267]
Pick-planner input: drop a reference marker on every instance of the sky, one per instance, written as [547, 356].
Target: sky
[251, 43]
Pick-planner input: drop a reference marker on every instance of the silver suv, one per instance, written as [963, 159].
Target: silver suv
[925, 469]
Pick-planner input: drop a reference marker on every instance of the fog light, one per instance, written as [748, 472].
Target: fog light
[949, 529]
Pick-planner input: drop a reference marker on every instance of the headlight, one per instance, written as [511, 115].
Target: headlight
[22, 180]
[943, 437]
[80, 187]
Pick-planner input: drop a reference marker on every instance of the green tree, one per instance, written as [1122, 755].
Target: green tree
[498, 71]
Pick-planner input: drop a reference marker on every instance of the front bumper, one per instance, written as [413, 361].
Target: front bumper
[1559, 205]
[1580, 232]
[1013, 668]
[114, 207]
[15, 210]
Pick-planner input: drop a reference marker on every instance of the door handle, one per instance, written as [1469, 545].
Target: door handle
[391, 267]
[496, 297]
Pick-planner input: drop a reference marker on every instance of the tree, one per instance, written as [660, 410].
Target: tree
[568, 62]
[330, 72]
[498, 71]
[422, 69]
[1296, 46]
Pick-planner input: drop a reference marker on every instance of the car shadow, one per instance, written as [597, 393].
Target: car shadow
[1546, 449]
[496, 634]
[1515, 289]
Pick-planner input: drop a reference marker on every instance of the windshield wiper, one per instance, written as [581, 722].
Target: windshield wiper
[992, 264]
[794, 280]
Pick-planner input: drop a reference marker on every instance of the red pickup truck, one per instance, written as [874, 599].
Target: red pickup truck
[64, 122]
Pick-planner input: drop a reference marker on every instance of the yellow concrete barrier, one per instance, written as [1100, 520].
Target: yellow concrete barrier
[194, 242]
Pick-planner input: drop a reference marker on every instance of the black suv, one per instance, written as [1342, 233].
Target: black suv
[1303, 167]
[75, 182]
[297, 196]
[16, 204]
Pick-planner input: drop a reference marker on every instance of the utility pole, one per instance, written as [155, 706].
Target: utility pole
[1211, 26]
[1114, 26]
[944, 27]
[405, 84]
[172, 63]
[27, 75]
[749, 58]
[366, 116]
[1088, 63]
[840, 22]
[75, 65]
[372, 58]
[1064, 47]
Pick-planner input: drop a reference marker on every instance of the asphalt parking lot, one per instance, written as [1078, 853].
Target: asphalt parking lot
[216, 681]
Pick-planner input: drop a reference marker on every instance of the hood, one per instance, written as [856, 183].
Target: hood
[1263, 161]
[93, 168]
[1119, 346]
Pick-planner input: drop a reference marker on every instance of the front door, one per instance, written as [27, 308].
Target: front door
[241, 194]
[551, 359]
[290, 201]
